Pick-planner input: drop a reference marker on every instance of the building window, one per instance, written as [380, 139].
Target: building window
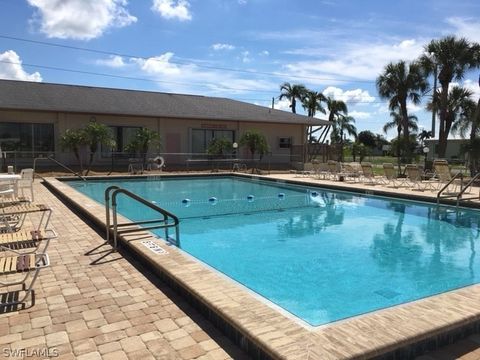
[122, 135]
[202, 137]
[285, 142]
[27, 138]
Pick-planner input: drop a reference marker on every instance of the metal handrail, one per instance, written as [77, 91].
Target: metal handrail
[447, 185]
[51, 158]
[163, 223]
[469, 184]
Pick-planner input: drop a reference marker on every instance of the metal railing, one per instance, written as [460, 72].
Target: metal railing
[468, 185]
[51, 158]
[439, 194]
[167, 221]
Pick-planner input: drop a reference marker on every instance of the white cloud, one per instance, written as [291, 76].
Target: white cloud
[189, 78]
[80, 19]
[219, 46]
[246, 56]
[264, 53]
[466, 27]
[359, 115]
[242, 2]
[113, 61]
[173, 9]
[350, 96]
[11, 68]
[283, 104]
[355, 60]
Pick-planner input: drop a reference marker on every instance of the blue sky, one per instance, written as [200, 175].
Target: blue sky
[241, 49]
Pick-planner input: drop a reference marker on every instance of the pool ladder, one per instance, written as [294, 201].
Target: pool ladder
[462, 191]
[166, 221]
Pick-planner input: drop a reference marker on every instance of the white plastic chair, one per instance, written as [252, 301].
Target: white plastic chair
[26, 181]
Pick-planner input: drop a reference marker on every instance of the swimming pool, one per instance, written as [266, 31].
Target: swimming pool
[321, 255]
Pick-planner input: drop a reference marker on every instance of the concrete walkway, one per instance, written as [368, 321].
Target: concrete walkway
[112, 310]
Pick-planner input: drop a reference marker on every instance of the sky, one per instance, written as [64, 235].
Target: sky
[239, 49]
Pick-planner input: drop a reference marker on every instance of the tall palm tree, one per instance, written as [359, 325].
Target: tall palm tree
[397, 122]
[336, 109]
[293, 93]
[453, 57]
[343, 125]
[312, 102]
[96, 134]
[399, 83]
[459, 111]
[424, 135]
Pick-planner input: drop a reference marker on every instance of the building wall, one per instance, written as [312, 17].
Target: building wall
[453, 151]
[175, 133]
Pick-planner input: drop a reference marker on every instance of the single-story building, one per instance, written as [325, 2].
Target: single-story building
[453, 151]
[33, 117]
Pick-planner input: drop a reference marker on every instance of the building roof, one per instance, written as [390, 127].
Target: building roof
[24, 95]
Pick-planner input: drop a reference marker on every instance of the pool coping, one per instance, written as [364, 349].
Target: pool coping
[404, 330]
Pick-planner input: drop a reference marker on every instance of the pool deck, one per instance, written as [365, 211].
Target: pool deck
[114, 309]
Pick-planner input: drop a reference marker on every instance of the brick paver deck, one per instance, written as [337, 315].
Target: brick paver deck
[112, 310]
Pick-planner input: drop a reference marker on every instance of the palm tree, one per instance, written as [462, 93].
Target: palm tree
[144, 139]
[292, 93]
[424, 135]
[256, 142]
[97, 134]
[312, 102]
[399, 83]
[460, 108]
[343, 125]
[452, 57]
[397, 122]
[336, 109]
[73, 140]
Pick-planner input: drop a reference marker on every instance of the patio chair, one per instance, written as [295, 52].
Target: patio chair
[13, 217]
[13, 266]
[392, 180]
[26, 182]
[333, 169]
[368, 176]
[349, 172]
[26, 240]
[444, 176]
[416, 178]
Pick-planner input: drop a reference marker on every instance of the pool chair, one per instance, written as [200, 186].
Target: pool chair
[26, 182]
[13, 217]
[416, 177]
[6, 191]
[392, 180]
[26, 241]
[368, 176]
[444, 176]
[349, 172]
[17, 265]
[333, 169]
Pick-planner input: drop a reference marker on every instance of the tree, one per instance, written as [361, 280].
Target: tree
[424, 135]
[397, 122]
[399, 83]
[460, 108]
[342, 126]
[452, 57]
[367, 138]
[97, 134]
[336, 108]
[255, 141]
[73, 140]
[143, 139]
[292, 93]
[219, 147]
[312, 102]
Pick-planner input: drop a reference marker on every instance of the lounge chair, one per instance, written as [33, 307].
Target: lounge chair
[391, 175]
[444, 176]
[26, 240]
[13, 217]
[333, 169]
[416, 178]
[349, 172]
[29, 264]
[368, 175]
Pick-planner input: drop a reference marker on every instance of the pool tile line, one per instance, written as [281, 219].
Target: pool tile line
[380, 335]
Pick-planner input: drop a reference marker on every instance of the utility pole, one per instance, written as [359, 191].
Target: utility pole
[273, 103]
[434, 106]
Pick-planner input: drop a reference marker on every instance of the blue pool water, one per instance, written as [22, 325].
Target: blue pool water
[319, 254]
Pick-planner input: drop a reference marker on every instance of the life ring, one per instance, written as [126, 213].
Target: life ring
[159, 160]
